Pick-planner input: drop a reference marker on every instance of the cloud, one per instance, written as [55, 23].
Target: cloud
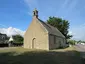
[11, 31]
[72, 5]
[70, 32]
[69, 4]
[78, 32]
[1, 25]
[65, 3]
[51, 8]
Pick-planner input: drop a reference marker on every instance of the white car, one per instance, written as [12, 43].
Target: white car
[83, 43]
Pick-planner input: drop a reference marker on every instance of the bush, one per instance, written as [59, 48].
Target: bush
[18, 39]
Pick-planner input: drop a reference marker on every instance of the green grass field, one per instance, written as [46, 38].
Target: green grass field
[19, 55]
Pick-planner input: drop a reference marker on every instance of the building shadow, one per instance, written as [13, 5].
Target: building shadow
[42, 57]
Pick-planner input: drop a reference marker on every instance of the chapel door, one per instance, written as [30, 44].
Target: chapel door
[33, 43]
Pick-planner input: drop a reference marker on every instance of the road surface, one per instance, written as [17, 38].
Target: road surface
[81, 49]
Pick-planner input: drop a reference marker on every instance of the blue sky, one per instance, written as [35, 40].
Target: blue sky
[18, 13]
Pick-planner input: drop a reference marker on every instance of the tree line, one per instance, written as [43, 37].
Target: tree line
[4, 40]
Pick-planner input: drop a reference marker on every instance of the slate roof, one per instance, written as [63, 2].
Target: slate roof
[51, 29]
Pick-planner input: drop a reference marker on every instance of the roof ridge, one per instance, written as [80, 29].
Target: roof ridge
[51, 29]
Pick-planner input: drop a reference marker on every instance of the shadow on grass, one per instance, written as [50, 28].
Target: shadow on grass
[41, 57]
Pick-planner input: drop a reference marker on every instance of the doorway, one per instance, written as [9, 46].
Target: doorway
[33, 43]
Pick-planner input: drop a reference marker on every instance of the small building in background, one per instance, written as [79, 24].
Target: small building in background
[3, 38]
[10, 42]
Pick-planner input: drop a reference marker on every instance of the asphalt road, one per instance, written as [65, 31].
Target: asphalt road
[81, 49]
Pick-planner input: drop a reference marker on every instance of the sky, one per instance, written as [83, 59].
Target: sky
[16, 15]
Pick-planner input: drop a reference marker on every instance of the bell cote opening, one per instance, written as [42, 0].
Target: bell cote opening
[35, 13]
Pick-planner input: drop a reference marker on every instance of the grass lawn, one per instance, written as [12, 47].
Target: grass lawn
[19, 55]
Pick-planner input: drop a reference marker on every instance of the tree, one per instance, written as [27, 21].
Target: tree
[3, 38]
[18, 39]
[80, 41]
[61, 25]
[71, 42]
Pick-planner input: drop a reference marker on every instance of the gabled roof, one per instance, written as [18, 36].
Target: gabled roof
[11, 39]
[51, 29]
